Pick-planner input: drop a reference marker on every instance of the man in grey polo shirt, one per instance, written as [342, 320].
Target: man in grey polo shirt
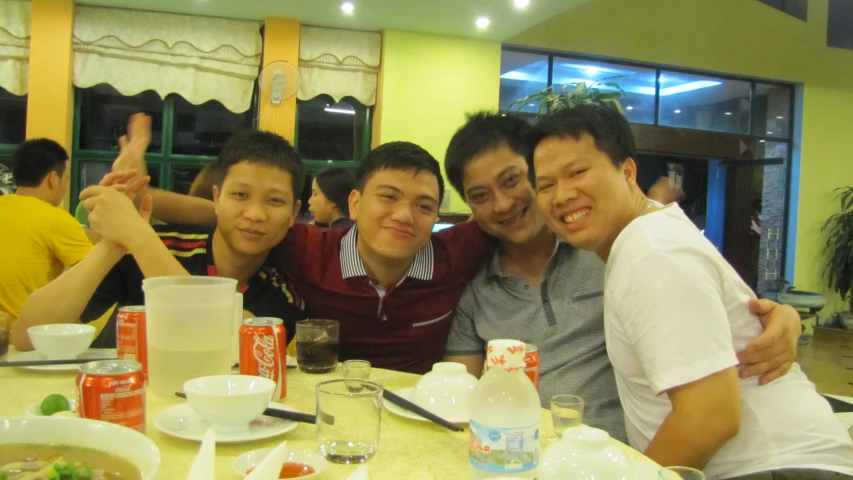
[548, 293]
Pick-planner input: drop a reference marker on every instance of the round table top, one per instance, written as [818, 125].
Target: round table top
[407, 448]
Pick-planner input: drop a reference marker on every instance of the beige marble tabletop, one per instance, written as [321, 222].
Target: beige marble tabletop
[408, 449]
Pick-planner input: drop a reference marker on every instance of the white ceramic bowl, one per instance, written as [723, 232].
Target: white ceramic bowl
[61, 341]
[445, 391]
[229, 402]
[254, 458]
[79, 432]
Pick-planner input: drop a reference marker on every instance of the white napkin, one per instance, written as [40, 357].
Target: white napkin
[270, 467]
[203, 466]
[359, 474]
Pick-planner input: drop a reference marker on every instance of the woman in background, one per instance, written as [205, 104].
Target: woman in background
[329, 202]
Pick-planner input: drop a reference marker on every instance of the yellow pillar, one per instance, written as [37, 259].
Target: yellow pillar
[281, 42]
[50, 102]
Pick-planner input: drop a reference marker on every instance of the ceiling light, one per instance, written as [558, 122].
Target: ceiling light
[662, 79]
[591, 71]
[521, 3]
[482, 22]
[780, 117]
[629, 107]
[531, 104]
[769, 133]
[677, 111]
[347, 7]
[761, 141]
[728, 113]
[503, 114]
[340, 108]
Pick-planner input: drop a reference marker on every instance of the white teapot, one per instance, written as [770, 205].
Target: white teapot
[584, 453]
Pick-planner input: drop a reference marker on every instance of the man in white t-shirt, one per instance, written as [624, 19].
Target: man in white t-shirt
[675, 314]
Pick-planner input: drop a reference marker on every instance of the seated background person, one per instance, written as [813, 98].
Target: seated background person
[255, 207]
[39, 240]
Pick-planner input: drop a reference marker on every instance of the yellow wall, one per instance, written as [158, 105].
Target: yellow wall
[281, 43]
[429, 84]
[745, 38]
[50, 100]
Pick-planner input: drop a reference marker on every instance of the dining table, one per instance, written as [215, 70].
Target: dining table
[408, 449]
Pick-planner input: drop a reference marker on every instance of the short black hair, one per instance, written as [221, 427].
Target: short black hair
[264, 148]
[34, 159]
[483, 132]
[336, 184]
[398, 156]
[606, 125]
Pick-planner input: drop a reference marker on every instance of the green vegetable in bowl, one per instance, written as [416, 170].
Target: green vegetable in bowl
[54, 403]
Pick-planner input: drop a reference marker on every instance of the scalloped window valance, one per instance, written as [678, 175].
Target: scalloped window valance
[339, 63]
[15, 20]
[199, 58]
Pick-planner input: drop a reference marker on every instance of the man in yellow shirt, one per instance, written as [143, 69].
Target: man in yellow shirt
[39, 239]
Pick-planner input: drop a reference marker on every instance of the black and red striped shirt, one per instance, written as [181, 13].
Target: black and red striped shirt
[266, 295]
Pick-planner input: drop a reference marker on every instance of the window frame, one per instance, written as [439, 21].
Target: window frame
[313, 166]
[165, 161]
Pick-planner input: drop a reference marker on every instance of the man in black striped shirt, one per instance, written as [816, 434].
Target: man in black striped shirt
[255, 207]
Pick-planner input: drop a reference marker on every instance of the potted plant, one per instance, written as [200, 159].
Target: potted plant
[558, 97]
[7, 184]
[839, 247]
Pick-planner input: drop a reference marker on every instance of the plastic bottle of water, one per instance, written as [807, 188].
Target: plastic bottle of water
[504, 417]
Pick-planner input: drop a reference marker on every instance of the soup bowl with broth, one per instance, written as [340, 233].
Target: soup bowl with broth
[110, 451]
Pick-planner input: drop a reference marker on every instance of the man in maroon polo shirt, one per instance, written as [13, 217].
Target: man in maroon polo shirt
[390, 281]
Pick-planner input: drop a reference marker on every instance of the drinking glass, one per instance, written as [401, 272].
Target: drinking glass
[566, 412]
[348, 421]
[317, 345]
[681, 473]
[358, 369]
[5, 327]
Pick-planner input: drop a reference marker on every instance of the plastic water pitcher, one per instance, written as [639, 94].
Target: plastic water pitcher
[190, 323]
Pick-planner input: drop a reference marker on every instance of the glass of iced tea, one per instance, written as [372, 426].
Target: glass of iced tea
[566, 412]
[317, 343]
[5, 328]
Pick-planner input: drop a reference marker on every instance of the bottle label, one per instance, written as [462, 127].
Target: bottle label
[504, 450]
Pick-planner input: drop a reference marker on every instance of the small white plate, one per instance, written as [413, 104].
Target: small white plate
[255, 457]
[34, 410]
[181, 421]
[90, 354]
[407, 394]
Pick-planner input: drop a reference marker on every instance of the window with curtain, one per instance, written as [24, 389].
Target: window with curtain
[194, 75]
[338, 74]
[15, 20]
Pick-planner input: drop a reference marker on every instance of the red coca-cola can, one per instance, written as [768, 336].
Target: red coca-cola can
[531, 361]
[263, 351]
[131, 337]
[112, 391]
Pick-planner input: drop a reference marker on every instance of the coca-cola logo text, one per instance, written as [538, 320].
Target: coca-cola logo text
[264, 353]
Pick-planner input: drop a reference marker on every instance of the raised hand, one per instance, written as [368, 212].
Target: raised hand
[134, 145]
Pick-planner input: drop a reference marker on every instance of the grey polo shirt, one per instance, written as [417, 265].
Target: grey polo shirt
[564, 319]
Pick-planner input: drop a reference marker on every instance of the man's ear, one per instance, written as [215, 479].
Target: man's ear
[53, 180]
[354, 198]
[629, 170]
[215, 194]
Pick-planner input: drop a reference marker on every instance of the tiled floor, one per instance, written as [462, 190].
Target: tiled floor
[828, 377]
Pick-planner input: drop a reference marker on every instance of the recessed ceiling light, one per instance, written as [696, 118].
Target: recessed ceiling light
[521, 3]
[482, 22]
[677, 111]
[780, 117]
[347, 7]
[728, 113]
[503, 114]
[629, 107]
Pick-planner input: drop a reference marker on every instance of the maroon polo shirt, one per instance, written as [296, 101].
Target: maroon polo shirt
[402, 328]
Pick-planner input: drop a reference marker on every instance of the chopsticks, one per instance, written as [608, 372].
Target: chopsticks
[286, 414]
[402, 402]
[40, 363]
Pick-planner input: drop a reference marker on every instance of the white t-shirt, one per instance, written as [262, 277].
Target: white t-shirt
[675, 312]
